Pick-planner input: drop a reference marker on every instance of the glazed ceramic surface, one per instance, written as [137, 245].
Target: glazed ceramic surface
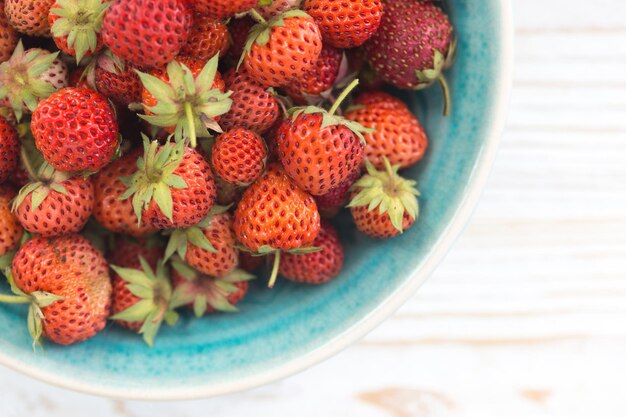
[284, 330]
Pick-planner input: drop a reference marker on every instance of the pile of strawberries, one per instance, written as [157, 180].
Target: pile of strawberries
[165, 149]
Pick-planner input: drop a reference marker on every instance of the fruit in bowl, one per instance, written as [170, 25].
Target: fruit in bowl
[302, 159]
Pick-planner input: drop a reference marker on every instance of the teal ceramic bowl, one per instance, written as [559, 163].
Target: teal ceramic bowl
[283, 331]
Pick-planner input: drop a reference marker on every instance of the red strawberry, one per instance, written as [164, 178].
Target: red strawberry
[317, 267]
[413, 45]
[146, 33]
[8, 36]
[76, 25]
[275, 215]
[277, 7]
[317, 80]
[253, 106]
[330, 203]
[75, 129]
[10, 229]
[238, 156]
[208, 294]
[186, 98]
[397, 135]
[222, 9]
[318, 149]
[55, 204]
[238, 30]
[112, 213]
[384, 204]
[66, 281]
[29, 16]
[209, 246]
[9, 149]
[173, 186]
[117, 80]
[208, 37]
[291, 40]
[346, 24]
[78, 78]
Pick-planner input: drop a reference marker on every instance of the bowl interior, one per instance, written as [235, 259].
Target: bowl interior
[282, 327]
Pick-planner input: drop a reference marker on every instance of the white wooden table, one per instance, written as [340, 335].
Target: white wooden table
[527, 315]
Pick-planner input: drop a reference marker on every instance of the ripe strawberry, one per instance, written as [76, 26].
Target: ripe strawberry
[238, 30]
[209, 246]
[55, 204]
[29, 16]
[66, 281]
[30, 76]
[317, 267]
[76, 25]
[330, 203]
[173, 186]
[275, 215]
[238, 156]
[10, 229]
[320, 78]
[117, 80]
[76, 130]
[413, 45]
[346, 24]
[222, 9]
[276, 7]
[150, 302]
[397, 135]
[253, 107]
[207, 294]
[79, 78]
[384, 204]
[318, 149]
[146, 33]
[208, 37]
[186, 98]
[9, 149]
[281, 49]
[114, 214]
[8, 36]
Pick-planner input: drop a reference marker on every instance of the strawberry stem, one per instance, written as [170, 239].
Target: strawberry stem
[191, 123]
[445, 88]
[257, 16]
[14, 299]
[274, 270]
[343, 96]
[392, 176]
[28, 166]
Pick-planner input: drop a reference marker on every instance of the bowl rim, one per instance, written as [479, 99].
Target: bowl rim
[394, 301]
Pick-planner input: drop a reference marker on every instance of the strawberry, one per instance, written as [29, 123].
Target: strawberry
[209, 294]
[79, 78]
[238, 156]
[8, 36]
[208, 246]
[317, 267]
[330, 203]
[346, 24]
[55, 204]
[208, 37]
[146, 33]
[269, 9]
[76, 25]
[173, 186]
[227, 194]
[143, 297]
[76, 130]
[114, 214]
[238, 30]
[281, 49]
[318, 149]
[10, 229]
[383, 203]
[275, 215]
[117, 80]
[186, 98]
[253, 107]
[413, 46]
[249, 262]
[397, 136]
[317, 80]
[29, 16]
[28, 77]
[66, 282]
[222, 9]
[9, 149]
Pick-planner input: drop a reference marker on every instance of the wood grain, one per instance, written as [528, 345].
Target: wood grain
[527, 315]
